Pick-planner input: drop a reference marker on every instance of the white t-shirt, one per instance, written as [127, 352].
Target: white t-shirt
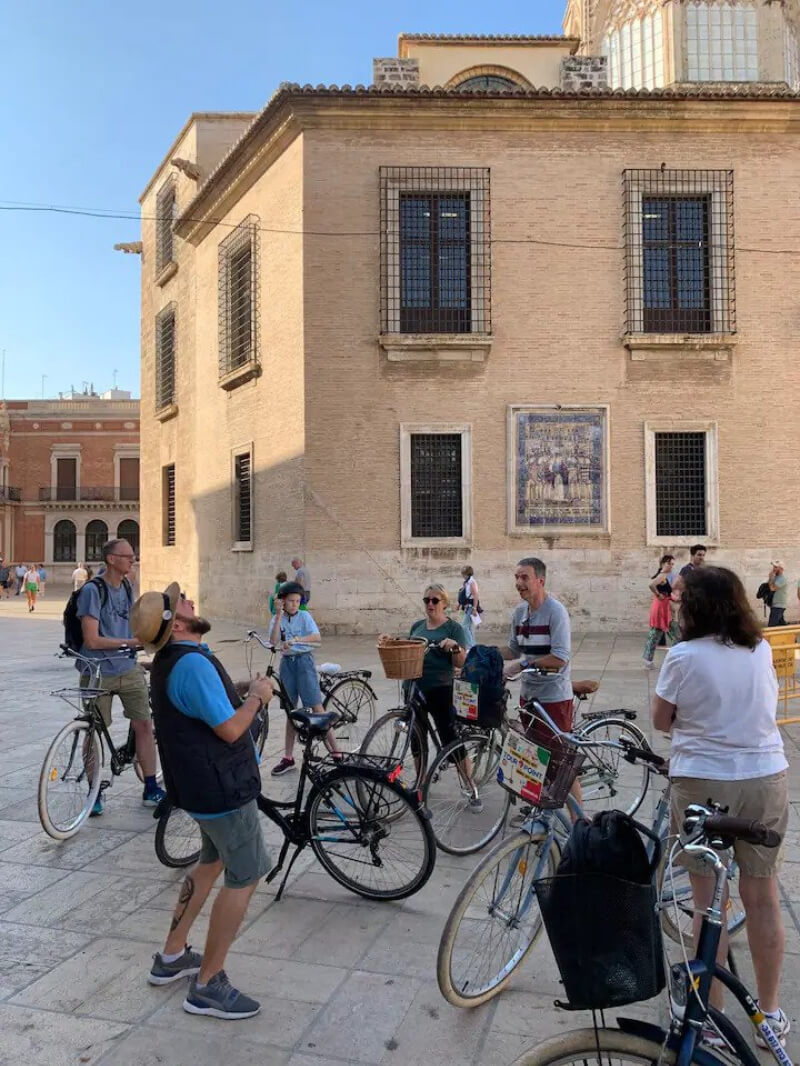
[79, 578]
[726, 699]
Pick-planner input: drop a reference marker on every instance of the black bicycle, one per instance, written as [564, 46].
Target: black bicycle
[71, 777]
[371, 835]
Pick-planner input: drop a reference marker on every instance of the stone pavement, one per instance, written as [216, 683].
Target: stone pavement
[341, 980]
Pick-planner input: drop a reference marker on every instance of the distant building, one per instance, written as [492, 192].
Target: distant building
[518, 296]
[69, 478]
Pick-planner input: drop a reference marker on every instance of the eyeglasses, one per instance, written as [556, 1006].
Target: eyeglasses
[116, 555]
[431, 599]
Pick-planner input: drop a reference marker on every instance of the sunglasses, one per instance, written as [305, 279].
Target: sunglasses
[431, 599]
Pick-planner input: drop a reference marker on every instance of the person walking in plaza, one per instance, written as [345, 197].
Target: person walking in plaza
[211, 771]
[42, 578]
[697, 558]
[280, 579]
[20, 572]
[5, 579]
[295, 631]
[779, 587]
[104, 608]
[303, 578]
[31, 583]
[470, 604]
[717, 695]
[80, 575]
[662, 619]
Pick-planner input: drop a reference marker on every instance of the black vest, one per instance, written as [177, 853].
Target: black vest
[202, 772]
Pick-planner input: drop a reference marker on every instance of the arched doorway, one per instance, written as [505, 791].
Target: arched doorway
[129, 530]
[64, 540]
[96, 536]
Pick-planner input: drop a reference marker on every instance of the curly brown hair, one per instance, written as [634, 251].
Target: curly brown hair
[714, 604]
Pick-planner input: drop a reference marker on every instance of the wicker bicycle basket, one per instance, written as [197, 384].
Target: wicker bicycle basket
[402, 657]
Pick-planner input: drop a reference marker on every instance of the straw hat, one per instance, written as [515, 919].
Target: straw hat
[152, 617]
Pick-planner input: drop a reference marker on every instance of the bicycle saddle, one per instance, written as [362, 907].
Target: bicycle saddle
[314, 724]
[584, 688]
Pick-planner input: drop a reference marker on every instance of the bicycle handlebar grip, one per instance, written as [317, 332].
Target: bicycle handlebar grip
[751, 831]
[645, 755]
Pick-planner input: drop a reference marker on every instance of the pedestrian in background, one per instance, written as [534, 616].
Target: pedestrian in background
[662, 619]
[5, 579]
[779, 587]
[31, 582]
[42, 578]
[470, 604]
[697, 558]
[302, 577]
[20, 573]
[80, 575]
[280, 579]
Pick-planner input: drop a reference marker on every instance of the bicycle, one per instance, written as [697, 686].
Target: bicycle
[495, 919]
[706, 831]
[68, 783]
[357, 818]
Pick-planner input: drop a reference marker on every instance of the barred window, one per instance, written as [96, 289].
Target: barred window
[435, 476]
[242, 498]
[166, 213]
[679, 251]
[165, 357]
[435, 250]
[168, 505]
[238, 297]
[682, 482]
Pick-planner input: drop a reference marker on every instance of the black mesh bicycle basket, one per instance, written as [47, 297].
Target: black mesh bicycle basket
[606, 938]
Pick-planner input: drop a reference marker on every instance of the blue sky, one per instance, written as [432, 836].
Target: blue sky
[92, 94]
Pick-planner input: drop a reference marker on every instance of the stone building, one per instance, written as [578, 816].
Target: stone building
[69, 478]
[395, 328]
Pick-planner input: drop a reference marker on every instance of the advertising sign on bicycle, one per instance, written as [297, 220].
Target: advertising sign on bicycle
[523, 766]
[465, 700]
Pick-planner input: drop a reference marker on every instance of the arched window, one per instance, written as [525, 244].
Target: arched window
[488, 82]
[96, 536]
[129, 530]
[64, 538]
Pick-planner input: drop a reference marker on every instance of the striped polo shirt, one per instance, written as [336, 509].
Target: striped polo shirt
[545, 631]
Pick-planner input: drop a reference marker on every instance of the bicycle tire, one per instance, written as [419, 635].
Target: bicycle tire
[459, 828]
[389, 739]
[680, 892]
[580, 1046]
[601, 778]
[363, 805]
[355, 697]
[177, 839]
[452, 985]
[81, 794]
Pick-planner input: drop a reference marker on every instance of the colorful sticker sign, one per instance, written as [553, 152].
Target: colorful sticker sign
[523, 766]
[465, 699]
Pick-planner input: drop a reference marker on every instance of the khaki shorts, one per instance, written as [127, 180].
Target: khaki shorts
[765, 799]
[235, 839]
[131, 687]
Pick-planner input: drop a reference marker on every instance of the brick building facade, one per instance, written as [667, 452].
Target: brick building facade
[69, 478]
[397, 329]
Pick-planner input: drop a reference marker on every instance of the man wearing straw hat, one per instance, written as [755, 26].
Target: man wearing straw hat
[210, 771]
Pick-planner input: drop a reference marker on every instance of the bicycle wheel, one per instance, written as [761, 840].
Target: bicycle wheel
[608, 780]
[466, 804]
[70, 779]
[398, 742]
[495, 920]
[354, 701]
[587, 1047]
[677, 909]
[369, 834]
[177, 838]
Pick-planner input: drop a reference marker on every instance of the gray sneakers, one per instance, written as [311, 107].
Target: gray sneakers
[164, 973]
[219, 999]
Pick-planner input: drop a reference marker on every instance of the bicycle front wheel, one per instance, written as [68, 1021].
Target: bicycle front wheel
[495, 920]
[586, 1047]
[369, 834]
[354, 702]
[397, 739]
[607, 780]
[466, 804]
[70, 779]
[177, 838]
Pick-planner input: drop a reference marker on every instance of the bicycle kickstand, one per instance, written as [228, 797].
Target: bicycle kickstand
[277, 869]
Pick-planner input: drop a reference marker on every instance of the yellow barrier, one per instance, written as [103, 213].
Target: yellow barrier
[785, 654]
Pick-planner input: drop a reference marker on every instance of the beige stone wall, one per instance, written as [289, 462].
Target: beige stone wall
[439, 62]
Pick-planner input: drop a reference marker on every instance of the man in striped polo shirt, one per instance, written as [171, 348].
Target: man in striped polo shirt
[540, 636]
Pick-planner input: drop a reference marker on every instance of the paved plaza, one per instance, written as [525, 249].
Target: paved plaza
[340, 979]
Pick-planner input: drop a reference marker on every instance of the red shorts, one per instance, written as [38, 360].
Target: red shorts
[535, 729]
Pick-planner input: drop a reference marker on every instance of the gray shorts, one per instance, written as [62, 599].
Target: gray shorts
[237, 842]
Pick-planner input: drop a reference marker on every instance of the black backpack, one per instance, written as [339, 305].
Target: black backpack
[611, 843]
[73, 632]
[765, 593]
[484, 667]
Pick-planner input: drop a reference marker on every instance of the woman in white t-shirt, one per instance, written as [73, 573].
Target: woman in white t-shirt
[469, 603]
[717, 694]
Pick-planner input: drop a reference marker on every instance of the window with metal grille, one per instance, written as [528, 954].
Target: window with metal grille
[436, 486]
[680, 484]
[166, 213]
[435, 250]
[168, 505]
[679, 251]
[96, 537]
[64, 541]
[165, 357]
[242, 498]
[238, 297]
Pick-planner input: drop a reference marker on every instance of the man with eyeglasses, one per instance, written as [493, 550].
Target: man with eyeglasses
[104, 608]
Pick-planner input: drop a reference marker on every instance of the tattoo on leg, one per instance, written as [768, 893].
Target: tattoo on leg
[187, 891]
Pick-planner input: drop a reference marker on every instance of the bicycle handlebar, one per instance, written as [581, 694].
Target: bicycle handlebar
[728, 827]
[69, 653]
[632, 754]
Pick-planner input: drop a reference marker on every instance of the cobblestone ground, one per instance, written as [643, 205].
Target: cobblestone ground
[341, 980]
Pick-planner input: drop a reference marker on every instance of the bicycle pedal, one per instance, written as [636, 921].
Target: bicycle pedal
[104, 785]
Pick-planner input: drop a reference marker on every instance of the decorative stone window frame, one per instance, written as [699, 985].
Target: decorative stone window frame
[123, 451]
[710, 429]
[409, 429]
[472, 346]
[242, 449]
[64, 451]
[489, 70]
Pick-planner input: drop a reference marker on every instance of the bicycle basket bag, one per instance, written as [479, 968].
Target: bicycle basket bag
[600, 912]
[484, 667]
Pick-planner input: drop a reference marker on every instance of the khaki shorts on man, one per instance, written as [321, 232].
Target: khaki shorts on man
[131, 687]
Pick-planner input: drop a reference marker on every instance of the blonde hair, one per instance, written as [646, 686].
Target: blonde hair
[440, 591]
